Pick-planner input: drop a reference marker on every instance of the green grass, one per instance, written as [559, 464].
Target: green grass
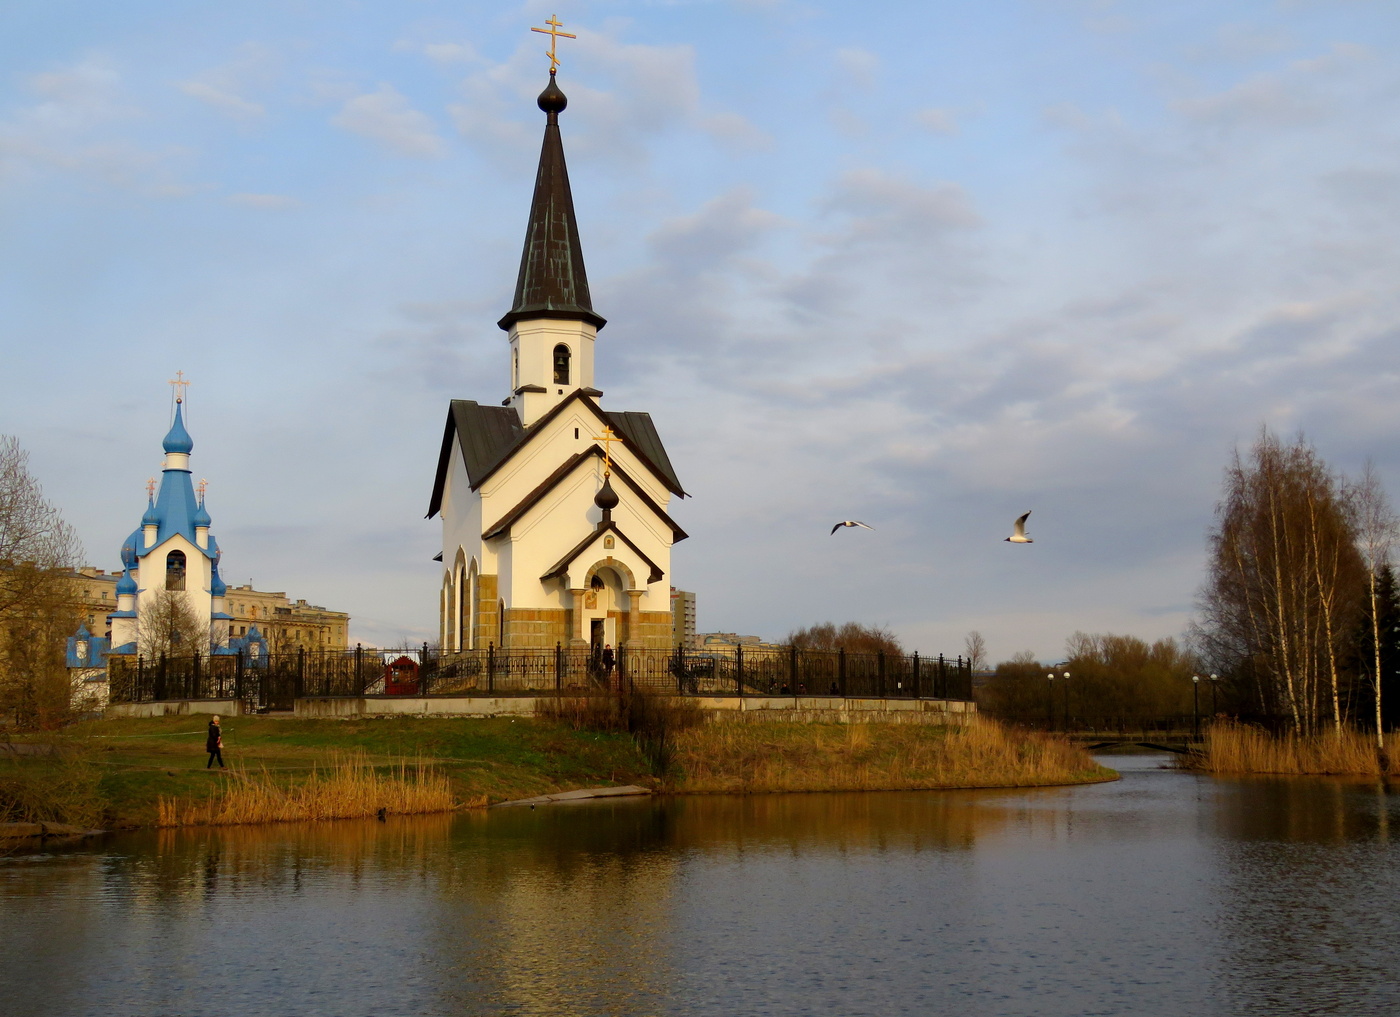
[138, 761]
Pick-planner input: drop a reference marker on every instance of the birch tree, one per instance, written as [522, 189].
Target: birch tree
[1376, 525]
[1285, 583]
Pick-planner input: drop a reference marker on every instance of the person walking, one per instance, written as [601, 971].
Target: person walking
[214, 743]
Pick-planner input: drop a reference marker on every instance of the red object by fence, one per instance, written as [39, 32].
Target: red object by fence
[401, 677]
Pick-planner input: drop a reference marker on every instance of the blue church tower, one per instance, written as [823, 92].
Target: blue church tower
[172, 550]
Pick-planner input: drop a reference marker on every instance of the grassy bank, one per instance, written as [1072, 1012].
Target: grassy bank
[747, 757]
[1241, 749]
[117, 773]
[125, 773]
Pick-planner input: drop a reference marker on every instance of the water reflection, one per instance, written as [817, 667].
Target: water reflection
[1161, 894]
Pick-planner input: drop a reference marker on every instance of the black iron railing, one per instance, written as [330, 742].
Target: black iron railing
[276, 681]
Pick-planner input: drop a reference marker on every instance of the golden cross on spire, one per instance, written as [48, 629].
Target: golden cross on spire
[554, 35]
[607, 438]
[201, 487]
[151, 488]
[179, 384]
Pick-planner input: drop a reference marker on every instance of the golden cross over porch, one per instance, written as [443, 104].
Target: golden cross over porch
[201, 487]
[607, 438]
[554, 34]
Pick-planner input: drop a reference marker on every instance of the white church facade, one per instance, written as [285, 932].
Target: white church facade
[555, 511]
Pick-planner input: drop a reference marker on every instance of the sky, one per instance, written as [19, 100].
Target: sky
[928, 265]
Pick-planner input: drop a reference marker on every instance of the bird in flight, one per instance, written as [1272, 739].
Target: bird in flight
[1019, 537]
[850, 522]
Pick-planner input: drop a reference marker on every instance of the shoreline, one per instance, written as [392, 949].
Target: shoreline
[134, 774]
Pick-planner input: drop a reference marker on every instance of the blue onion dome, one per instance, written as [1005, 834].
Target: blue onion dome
[126, 584]
[152, 517]
[201, 517]
[178, 440]
[129, 552]
[217, 587]
[606, 498]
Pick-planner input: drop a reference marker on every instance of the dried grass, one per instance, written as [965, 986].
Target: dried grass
[741, 757]
[350, 788]
[1240, 748]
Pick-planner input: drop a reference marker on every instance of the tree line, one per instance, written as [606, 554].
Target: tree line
[1298, 618]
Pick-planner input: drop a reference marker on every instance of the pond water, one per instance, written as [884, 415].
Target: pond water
[1160, 894]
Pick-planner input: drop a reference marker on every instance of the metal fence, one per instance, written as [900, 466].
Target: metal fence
[276, 681]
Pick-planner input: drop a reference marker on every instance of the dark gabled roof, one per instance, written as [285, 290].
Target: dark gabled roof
[490, 435]
[606, 526]
[552, 282]
[644, 426]
[508, 520]
[643, 440]
[487, 435]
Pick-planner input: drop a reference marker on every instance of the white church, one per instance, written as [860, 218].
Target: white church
[555, 523]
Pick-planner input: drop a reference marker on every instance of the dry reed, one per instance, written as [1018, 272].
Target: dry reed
[1240, 748]
[735, 756]
[350, 788]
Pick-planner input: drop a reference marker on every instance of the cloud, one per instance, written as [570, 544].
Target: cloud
[859, 66]
[269, 201]
[386, 117]
[736, 133]
[444, 53]
[937, 120]
[80, 123]
[225, 102]
[222, 87]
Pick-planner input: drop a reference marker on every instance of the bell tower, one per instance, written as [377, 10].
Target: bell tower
[551, 325]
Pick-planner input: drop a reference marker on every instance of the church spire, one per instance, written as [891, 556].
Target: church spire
[552, 282]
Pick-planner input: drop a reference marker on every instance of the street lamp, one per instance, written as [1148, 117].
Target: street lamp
[1214, 697]
[1050, 702]
[1066, 702]
[1196, 706]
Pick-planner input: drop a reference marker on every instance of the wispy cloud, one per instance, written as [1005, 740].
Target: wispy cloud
[386, 117]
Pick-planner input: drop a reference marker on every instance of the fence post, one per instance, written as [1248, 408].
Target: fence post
[558, 666]
[238, 676]
[301, 672]
[360, 668]
[841, 669]
[679, 670]
[490, 667]
[880, 670]
[739, 669]
[917, 690]
[792, 667]
[194, 680]
[160, 680]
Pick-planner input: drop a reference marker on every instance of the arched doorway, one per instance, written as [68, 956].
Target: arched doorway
[604, 605]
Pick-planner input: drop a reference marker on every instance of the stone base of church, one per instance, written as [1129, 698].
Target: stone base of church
[528, 628]
[653, 630]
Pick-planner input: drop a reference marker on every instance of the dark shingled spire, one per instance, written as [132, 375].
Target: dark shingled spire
[552, 281]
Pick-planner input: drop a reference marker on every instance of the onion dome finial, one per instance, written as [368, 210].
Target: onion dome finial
[152, 517]
[606, 498]
[552, 100]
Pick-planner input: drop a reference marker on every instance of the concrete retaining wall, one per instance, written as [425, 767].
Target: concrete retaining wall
[176, 708]
[788, 709]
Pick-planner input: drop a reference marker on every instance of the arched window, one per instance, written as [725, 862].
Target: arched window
[175, 570]
[561, 364]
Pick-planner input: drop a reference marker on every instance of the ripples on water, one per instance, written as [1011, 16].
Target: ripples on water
[1161, 894]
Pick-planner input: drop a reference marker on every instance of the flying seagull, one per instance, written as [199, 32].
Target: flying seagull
[850, 522]
[1019, 537]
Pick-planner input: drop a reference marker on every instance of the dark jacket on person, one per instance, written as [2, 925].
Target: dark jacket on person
[211, 742]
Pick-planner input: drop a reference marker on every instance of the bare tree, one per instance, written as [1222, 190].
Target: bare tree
[1286, 582]
[853, 637]
[975, 649]
[1376, 526]
[38, 600]
[170, 626]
